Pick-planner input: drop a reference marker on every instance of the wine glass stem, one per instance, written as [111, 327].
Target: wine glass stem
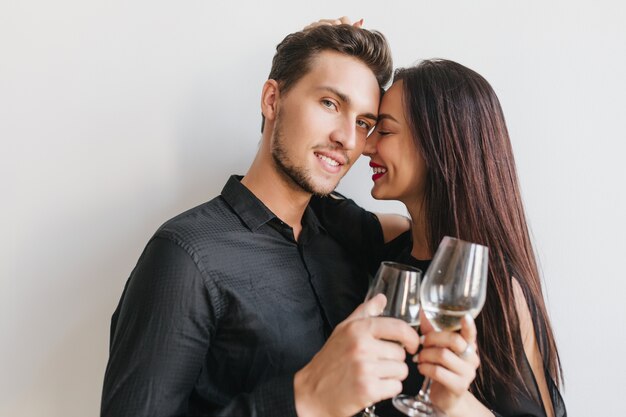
[424, 395]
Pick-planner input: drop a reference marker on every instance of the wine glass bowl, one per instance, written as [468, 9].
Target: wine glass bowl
[401, 285]
[455, 283]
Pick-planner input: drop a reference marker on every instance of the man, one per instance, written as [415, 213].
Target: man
[231, 306]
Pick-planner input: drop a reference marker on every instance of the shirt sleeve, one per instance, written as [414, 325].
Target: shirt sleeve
[160, 334]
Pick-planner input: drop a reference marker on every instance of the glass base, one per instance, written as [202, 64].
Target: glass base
[412, 407]
[369, 412]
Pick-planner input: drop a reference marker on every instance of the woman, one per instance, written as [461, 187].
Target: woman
[442, 148]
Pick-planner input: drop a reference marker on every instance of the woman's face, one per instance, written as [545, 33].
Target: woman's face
[399, 168]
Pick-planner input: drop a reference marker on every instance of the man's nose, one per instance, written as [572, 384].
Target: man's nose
[345, 134]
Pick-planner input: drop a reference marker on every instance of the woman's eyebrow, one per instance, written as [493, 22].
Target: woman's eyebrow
[384, 116]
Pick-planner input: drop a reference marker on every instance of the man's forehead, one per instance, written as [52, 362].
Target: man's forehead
[347, 77]
[331, 60]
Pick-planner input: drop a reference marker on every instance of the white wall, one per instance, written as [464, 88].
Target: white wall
[116, 115]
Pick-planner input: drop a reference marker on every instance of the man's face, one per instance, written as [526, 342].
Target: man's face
[322, 122]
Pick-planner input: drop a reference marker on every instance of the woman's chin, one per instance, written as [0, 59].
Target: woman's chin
[379, 194]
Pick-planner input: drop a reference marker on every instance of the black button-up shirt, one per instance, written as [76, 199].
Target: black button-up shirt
[221, 310]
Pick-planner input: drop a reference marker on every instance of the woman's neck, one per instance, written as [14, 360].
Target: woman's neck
[420, 249]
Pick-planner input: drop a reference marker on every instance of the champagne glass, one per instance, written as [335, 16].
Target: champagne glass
[454, 284]
[400, 284]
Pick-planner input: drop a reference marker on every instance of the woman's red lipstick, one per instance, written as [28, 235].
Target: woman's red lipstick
[379, 174]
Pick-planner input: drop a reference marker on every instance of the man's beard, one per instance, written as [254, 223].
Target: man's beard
[298, 176]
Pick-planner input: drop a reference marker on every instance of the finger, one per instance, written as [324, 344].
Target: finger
[394, 330]
[468, 329]
[425, 325]
[449, 380]
[386, 350]
[330, 21]
[445, 339]
[344, 20]
[387, 369]
[316, 24]
[323, 22]
[383, 389]
[446, 358]
[372, 307]
[358, 24]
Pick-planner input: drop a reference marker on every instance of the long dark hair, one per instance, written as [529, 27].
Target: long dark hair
[472, 193]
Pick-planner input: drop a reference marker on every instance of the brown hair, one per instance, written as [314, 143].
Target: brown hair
[472, 193]
[296, 52]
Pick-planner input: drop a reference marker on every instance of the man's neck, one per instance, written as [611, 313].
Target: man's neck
[284, 198]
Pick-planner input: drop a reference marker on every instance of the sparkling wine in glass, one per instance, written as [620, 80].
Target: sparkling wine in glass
[401, 285]
[454, 284]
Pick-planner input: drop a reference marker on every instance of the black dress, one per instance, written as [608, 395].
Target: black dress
[361, 232]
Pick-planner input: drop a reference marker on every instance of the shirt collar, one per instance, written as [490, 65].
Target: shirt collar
[310, 220]
[245, 204]
[253, 212]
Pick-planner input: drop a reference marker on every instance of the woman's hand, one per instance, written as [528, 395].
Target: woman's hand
[344, 20]
[450, 359]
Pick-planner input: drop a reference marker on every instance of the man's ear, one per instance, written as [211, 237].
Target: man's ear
[269, 99]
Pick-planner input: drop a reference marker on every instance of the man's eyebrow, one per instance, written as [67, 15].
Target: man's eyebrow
[336, 92]
[370, 116]
[346, 100]
[384, 116]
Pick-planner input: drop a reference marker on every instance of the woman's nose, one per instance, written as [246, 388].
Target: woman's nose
[370, 144]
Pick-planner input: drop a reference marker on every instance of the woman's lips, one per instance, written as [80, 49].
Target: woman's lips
[379, 170]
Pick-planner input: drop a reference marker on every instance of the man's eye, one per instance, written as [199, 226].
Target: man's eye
[363, 124]
[329, 104]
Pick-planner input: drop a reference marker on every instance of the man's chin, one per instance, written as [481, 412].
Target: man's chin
[316, 184]
[322, 189]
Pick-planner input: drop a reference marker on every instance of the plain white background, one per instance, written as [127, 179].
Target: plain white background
[117, 115]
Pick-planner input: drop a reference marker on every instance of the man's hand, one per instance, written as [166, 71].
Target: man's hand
[344, 20]
[361, 363]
